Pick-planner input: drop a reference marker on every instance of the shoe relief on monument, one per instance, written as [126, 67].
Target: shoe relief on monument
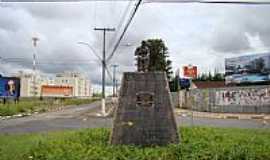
[144, 99]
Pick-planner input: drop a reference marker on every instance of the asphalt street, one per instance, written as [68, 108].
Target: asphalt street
[84, 116]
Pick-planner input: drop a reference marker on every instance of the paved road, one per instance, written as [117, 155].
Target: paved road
[83, 117]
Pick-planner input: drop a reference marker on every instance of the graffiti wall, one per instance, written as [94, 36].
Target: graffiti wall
[232, 99]
[251, 96]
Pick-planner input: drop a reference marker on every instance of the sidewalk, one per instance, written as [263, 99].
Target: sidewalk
[184, 112]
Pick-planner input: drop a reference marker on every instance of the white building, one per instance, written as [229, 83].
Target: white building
[79, 82]
[31, 85]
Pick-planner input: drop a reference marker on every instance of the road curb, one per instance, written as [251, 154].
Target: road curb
[185, 113]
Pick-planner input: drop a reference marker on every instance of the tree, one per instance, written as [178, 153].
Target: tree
[158, 58]
[218, 77]
[174, 84]
[209, 77]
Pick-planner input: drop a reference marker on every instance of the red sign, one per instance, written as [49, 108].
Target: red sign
[56, 91]
[190, 71]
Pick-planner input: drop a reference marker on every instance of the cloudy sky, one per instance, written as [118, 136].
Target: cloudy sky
[198, 34]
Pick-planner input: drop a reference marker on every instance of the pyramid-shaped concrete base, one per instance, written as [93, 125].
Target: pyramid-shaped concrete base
[144, 115]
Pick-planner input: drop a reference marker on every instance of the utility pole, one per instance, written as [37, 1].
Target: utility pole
[114, 80]
[103, 110]
[116, 85]
[34, 40]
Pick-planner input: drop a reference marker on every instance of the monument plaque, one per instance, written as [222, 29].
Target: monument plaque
[144, 99]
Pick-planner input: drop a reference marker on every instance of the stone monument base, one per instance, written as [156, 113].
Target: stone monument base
[144, 115]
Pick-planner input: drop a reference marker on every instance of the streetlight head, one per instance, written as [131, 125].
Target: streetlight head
[84, 43]
[127, 45]
[35, 40]
[114, 65]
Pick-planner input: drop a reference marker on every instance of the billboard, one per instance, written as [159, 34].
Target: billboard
[9, 87]
[184, 83]
[190, 71]
[248, 69]
[56, 91]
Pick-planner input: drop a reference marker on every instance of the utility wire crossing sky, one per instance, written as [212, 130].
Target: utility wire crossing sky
[199, 34]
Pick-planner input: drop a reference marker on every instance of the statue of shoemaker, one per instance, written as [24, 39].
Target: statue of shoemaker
[143, 57]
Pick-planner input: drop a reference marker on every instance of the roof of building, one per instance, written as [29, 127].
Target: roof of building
[209, 84]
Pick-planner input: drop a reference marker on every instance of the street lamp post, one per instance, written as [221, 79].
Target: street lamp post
[104, 30]
[104, 66]
[103, 111]
[91, 48]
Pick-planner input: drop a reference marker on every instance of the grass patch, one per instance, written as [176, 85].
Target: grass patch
[37, 105]
[92, 144]
[74, 101]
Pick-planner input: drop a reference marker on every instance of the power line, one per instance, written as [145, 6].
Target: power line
[259, 2]
[92, 49]
[109, 73]
[154, 1]
[62, 60]
[114, 79]
[24, 61]
[121, 22]
[125, 29]
[57, 1]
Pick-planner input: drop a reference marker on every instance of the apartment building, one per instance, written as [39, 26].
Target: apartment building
[31, 84]
[79, 82]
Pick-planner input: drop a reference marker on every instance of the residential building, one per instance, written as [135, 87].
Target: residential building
[79, 82]
[31, 84]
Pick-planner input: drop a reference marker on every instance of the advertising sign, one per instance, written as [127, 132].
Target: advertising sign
[190, 71]
[9, 87]
[184, 83]
[56, 91]
[248, 69]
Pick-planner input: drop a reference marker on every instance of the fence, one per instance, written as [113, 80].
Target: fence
[251, 99]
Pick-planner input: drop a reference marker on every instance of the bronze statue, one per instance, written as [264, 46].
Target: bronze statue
[143, 57]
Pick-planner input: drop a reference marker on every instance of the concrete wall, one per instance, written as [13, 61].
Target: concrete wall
[144, 115]
[175, 99]
[252, 99]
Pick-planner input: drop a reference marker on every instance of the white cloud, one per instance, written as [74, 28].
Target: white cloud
[196, 34]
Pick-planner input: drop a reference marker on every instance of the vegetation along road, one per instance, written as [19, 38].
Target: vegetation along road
[84, 116]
